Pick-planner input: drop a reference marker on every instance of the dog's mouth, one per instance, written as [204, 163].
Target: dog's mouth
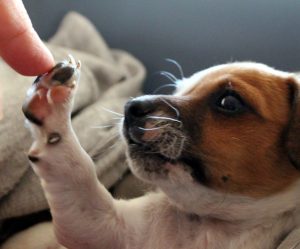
[156, 162]
[165, 145]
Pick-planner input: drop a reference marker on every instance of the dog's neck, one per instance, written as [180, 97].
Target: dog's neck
[244, 231]
[236, 210]
[241, 226]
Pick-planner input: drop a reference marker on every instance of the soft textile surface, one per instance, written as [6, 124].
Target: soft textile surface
[42, 234]
[109, 77]
[292, 241]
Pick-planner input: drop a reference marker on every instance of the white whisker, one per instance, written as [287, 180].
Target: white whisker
[175, 109]
[164, 118]
[151, 129]
[102, 126]
[113, 112]
[163, 86]
[108, 149]
[178, 66]
[114, 145]
[169, 76]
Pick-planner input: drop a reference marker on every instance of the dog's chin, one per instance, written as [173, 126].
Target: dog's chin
[155, 167]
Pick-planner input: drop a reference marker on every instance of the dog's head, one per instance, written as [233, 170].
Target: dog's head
[229, 130]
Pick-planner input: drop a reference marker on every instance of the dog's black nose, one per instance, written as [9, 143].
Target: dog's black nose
[136, 112]
[137, 109]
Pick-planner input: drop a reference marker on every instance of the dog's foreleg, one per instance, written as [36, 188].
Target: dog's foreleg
[84, 213]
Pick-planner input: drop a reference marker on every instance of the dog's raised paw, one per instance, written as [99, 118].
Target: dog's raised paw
[52, 90]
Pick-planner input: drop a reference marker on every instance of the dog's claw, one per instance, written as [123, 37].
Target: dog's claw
[78, 64]
[71, 59]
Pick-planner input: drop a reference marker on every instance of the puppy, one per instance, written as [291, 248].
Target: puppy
[224, 152]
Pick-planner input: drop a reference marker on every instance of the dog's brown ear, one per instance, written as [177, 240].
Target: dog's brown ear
[293, 134]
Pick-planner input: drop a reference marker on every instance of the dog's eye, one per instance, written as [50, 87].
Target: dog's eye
[230, 103]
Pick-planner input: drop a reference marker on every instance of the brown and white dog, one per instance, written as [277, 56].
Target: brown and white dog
[224, 152]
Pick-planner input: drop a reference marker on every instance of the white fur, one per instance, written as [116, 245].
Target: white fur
[186, 84]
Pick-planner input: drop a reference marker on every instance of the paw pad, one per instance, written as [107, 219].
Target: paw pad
[51, 89]
[54, 138]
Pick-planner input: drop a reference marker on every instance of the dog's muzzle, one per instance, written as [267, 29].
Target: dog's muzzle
[150, 123]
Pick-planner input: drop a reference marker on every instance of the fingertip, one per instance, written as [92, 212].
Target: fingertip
[27, 54]
[20, 46]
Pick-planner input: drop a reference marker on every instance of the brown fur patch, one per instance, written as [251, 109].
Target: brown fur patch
[247, 149]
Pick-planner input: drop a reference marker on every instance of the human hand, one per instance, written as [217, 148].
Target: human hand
[20, 46]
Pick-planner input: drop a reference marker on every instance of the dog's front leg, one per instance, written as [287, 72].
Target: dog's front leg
[84, 213]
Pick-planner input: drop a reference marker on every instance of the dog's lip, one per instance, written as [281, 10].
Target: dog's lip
[198, 170]
[143, 145]
[144, 148]
[131, 138]
[135, 134]
[195, 164]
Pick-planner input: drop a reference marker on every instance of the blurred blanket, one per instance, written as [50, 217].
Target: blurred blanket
[109, 77]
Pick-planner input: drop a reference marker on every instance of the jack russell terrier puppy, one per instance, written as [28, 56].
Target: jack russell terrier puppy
[223, 151]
